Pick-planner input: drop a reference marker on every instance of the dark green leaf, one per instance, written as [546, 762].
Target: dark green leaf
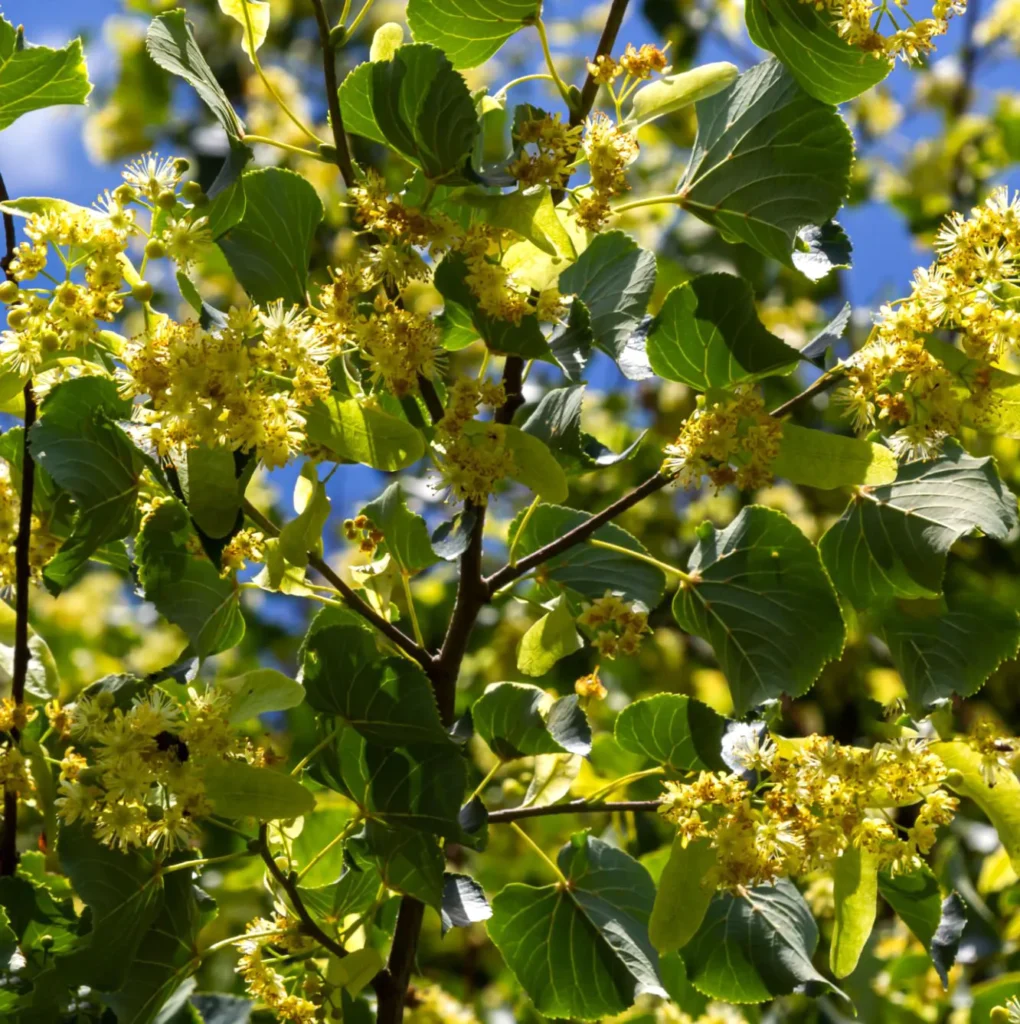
[218, 1009]
[764, 602]
[892, 540]
[708, 335]
[587, 570]
[89, 456]
[171, 44]
[406, 537]
[464, 902]
[523, 339]
[581, 951]
[750, 949]
[416, 103]
[388, 700]
[937, 923]
[768, 161]
[673, 730]
[469, 33]
[237, 789]
[805, 39]
[363, 434]
[944, 650]
[614, 279]
[33, 77]
[517, 719]
[187, 590]
[211, 488]
[408, 861]
[268, 249]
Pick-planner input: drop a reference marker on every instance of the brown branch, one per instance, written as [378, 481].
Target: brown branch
[579, 533]
[392, 985]
[336, 120]
[351, 599]
[22, 574]
[590, 89]
[574, 807]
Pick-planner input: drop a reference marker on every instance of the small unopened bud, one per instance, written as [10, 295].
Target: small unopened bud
[155, 249]
[574, 99]
[167, 199]
[49, 341]
[17, 318]
[327, 152]
[142, 291]
[337, 36]
[9, 291]
[194, 193]
[999, 1015]
[182, 166]
[124, 194]
[954, 778]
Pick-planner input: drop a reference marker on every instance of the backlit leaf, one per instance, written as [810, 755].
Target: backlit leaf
[673, 730]
[817, 458]
[469, 31]
[683, 895]
[360, 433]
[237, 789]
[855, 902]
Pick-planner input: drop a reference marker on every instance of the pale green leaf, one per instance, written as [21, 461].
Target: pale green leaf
[259, 691]
[674, 92]
[237, 789]
[551, 778]
[682, 895]
[816, 458]
[469, 31]
[855, 903]
[254, 21]
[551, 638]
[357, 432]
[534, 465]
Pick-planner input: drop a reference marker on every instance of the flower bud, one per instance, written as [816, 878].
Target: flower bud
[124, 194]
[142, 291]
[167, 199]
[155, 249]
[8, 291]
[17, 318]
[194, 193]
[49, 341]
[182, 166]
[337, 36]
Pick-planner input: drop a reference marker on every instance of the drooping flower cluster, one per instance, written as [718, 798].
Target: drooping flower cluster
[263, 982]
[15, 771]
[546, 148]
[733, 440]
[140, 781]
[895, 382]
[42, 544]
[610, 151]
[816, 798]
[617, 626]
[860, 22]
[431, 1005]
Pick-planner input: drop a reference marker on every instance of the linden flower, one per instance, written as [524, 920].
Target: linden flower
[151, 174]
[154, 713]
[121, 826]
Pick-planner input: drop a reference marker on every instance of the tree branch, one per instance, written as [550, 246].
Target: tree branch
[823, 383]
[582, 532]
[590, 89]
[573, 807]
[351, 599]
[336, 120]
[22, 575]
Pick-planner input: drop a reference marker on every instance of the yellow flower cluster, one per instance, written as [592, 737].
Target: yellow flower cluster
[245, 546]
[609, 152]
[431, 1005]
[617, 625]
[859, 23]
[894, 381]
[42, 544]
[733, 440]
[590, 687]
[473, 456]
[548, 147]
[997, 751]
[365, 532]
[399, 346]
[639, 64]
[263, 981]
[817, 798]
[142, 781]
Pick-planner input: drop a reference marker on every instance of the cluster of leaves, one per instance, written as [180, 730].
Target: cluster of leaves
[428, 783]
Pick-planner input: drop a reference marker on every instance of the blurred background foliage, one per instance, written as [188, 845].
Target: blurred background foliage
[933, 138]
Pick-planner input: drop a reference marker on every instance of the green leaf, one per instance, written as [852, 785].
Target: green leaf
[211, 489]
[764, 602]
[237, 789]
[674, 92]
[750, 949]
[88, 455]
[523, 339]
[469, 32]
[805, 39]
[551, 638]
[260, 691]
[673, 730]
[388, 700]
[820, 249]
[683, 894]
[768, 160]
[268, 249]
[581, 951]
[360, 433]
[551, 778]
[26, 206]
[171, 44]
[816, 458]
[952, 649]
[584, 569]
[464, 902]
[1001, 801]
[530, 213]
[614, 279]
[257, 16]
[556, 420]
[187, 590]
[302, 536]
[534, 465]
[406, 536]
[33, 77]
[518, 719]
[707, 335]
[408, 862]
[937, 923]
[167, 954]
[417, 104]
[855, 901]
[892, 540]
[419, 787]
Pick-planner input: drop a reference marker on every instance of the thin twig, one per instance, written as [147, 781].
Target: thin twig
[823, 383]
[590, 89]
[22, 575]
[351, 599]
[336, 120]
[574, 807]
